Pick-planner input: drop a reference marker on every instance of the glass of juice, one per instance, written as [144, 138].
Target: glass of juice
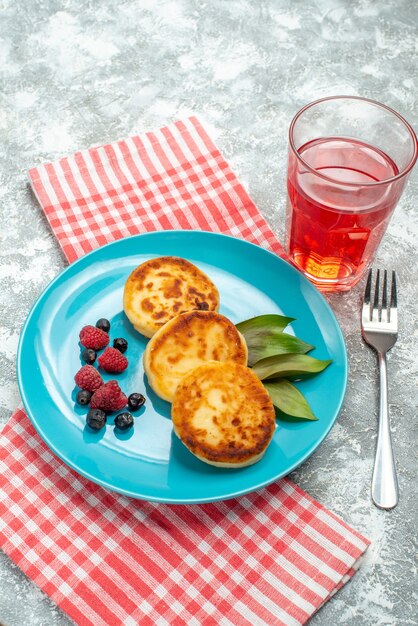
[349, 161]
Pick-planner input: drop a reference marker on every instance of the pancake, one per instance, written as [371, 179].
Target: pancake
[161, 288]
[187, 341]
[223, 415]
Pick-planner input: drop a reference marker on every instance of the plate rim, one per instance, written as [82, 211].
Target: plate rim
[162, 499]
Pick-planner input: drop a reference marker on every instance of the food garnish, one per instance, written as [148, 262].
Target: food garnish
[124, 421]
[109, 397]
[92, 337]
[288, 400]
[83, 397]
[120, 344]
[291, 366]
[88, 378]
[135, 401]
[103, 324]
[96, 419]
[264, 337]
[276, 358]
[89, 355]
[113, 361]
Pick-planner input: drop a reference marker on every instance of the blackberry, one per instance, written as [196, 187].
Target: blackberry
[103, 324]
[96, 419]
[89, 355]
[135, 401]
[83, 397]
[123, 421]
[120, 344]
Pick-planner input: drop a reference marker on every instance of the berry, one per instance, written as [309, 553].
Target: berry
[91, 337]
[109, 397]
[96, 419]
[88, 378]
[120, 344]
[89, 355]
[103, 324]
[113, 361]
[135, 401]
[123, 421]
[83, 396]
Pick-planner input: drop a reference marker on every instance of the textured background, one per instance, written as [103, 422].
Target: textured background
[81, 72]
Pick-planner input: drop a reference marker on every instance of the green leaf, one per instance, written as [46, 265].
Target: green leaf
[275, 345]
[289, 366]
[265, 322]
[288, 399]
[264, 337]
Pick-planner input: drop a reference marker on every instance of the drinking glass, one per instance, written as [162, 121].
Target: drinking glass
[349, 161]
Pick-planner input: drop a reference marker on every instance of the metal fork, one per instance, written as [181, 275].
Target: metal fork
[379, 322]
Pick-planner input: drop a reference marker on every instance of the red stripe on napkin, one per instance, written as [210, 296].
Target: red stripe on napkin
[173, 178]
[271, 557]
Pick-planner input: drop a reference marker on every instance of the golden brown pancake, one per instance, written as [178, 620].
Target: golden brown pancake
[161, 288]
[223, 414]
[187, 341]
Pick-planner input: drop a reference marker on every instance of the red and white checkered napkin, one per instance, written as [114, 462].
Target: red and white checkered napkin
[271, 557]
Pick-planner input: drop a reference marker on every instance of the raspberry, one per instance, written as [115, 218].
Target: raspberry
[92, 337]
[88, 378]
[113, 361]
[109, 397]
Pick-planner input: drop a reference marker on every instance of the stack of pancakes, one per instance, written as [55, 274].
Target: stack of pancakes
[197, 360]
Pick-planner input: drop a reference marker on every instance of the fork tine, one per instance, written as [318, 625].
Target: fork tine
[375, 308]
[367, 293]
[368, 288]
[393, 297]
[393, 312]
[383, 313]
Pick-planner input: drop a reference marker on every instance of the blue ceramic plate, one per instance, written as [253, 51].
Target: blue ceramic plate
[149, 462]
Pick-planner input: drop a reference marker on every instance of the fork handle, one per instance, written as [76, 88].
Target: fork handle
[384, 482]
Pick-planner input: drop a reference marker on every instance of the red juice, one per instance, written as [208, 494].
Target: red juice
[337, 218]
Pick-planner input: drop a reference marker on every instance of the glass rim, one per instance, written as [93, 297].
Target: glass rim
[392, 179]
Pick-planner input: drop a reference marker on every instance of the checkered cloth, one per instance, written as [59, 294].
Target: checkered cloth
[272, 557]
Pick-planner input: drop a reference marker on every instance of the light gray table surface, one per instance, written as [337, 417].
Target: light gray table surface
[78, 72]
